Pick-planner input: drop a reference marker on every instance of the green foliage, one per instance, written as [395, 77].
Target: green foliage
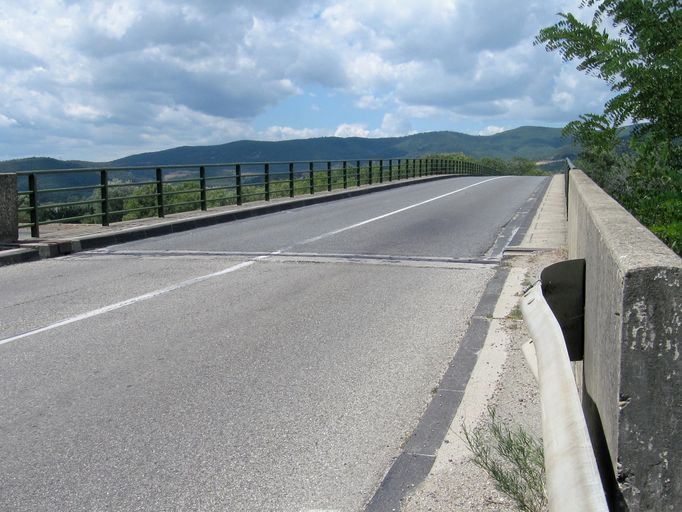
[643, 66]
[513, 458]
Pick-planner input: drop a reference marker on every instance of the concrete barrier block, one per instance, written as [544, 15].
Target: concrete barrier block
[632, 372]
[9, 216]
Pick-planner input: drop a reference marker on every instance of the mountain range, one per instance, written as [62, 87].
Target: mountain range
[530, 142]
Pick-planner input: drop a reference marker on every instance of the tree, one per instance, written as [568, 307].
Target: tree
[643, 64]
[641, 60]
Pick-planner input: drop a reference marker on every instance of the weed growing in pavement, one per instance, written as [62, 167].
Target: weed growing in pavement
[515, 313]
[514, 459]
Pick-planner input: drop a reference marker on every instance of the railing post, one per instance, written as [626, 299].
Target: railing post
[291, 179]
[311, 177]
[390, 169]
[329, 176]
[381, 171]
[33, 204]
[345, 175]
[104, 196]
[266, 178]
[202, 188]
[238, 183]
[160, 203]
[369, 181]
[357, 173]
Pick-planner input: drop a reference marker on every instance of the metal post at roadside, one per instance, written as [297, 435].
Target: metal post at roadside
[329, 176]
[160, 203]
[202, 188]
[266, 179]
[238, 182]
[104, 196]
[311, 177]
[33, 204]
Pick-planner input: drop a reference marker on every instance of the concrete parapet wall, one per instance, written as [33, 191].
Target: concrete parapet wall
[9, 221]
[632, 372]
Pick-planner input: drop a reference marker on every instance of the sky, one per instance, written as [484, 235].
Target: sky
[99, 80]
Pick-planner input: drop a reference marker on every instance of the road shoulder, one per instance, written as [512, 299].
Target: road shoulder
[501, 378]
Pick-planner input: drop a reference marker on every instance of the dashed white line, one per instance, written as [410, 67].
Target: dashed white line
[234, 268]
[128, 302]
[374, 219]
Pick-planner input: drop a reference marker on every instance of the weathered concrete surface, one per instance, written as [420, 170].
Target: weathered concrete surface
[632, 368]
[9, 221]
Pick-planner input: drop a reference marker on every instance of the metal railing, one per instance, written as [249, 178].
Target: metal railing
[105, 195]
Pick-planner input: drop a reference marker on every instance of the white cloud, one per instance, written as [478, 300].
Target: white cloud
[81, 111]
[6, 121]
[351, 130]
[287, 133]
[393, 125]
[100, 77]
[491, 130]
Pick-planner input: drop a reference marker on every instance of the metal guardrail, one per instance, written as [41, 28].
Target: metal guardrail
[573, 481]
[121, 193]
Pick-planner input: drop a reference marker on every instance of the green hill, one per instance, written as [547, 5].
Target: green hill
[531, 142]
[535, 143]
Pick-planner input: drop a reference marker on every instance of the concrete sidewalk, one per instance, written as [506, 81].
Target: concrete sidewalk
[501, 378]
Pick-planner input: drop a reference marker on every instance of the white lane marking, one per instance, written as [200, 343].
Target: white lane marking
[128, 302]
[374, 219]
[189, 282]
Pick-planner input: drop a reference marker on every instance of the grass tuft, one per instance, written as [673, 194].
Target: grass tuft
[513, 458]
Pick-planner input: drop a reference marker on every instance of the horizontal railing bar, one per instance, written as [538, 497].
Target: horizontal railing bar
[225, 198]
[216, 178]
[133, 210]
[224, 187]
[131, 184]
[195, 166]
[68, 189]
[178, 192]
[61, 205]
[184, 203]
[67, 220]
[251, 194]
[140, 196]
[183, 180]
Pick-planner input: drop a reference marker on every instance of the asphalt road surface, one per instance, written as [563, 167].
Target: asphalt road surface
[273, 363]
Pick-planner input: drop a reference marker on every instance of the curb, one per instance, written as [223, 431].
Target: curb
[52, 249]
[416, 459]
